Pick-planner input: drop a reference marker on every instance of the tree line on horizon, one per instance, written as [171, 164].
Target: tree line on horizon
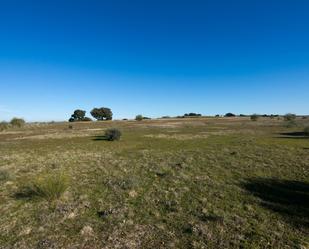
[104, 113]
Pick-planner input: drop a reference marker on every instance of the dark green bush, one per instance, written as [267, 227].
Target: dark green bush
[49, 187]
[289, 117]
[4, 175]
[17, 122]
[254, 117]
[112, 134]
[139, 117]
[306, 130]
[290, 124]
[3, 126]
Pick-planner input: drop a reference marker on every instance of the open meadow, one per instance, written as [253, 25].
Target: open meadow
[167, 183]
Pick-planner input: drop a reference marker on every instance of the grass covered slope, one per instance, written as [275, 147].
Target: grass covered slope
[185, 183]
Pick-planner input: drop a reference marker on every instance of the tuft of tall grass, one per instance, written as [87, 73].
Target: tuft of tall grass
[4, 175]
[3, 126]
[50, 187]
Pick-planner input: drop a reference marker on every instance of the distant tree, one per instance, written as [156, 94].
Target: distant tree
[78, 115]
[102, 113]
[289, 117]
[229, 114]
[139, 117]
[217, 116]
[242, 115]
[254, 117]
[17, 122]
[146, 118]
[192, 114]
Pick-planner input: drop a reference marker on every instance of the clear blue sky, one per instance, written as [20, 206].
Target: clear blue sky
[154, 57]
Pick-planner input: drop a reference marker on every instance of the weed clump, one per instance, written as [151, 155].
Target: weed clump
[289, 117]
[4, 175]
[3, 126]
[49, 187]
[112, 134]
[290, 124]
[254, 117]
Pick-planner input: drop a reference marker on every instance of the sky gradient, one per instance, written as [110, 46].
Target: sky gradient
[153, 57]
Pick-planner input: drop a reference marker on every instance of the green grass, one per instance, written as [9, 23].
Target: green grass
[49, 187]
[4, 175]
[188, 183]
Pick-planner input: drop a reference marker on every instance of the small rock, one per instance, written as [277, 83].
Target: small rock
[87, 231]
[26, 231]
[133, 193]
[71, 215]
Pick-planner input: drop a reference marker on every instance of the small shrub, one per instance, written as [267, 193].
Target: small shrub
[112, 134]
[139, 117]
[17, 122]
[70, 127]
[290, 124]
[50, 187]
[254, 117]
[4, 175]
[306, 131]
[289, 117]
[3, 126]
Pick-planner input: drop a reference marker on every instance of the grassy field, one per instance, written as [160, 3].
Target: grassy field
[174, 183]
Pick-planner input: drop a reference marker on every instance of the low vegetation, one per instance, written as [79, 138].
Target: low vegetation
[289, 117]
[49, 187]
[3, 126]
[112, 134]
[17, 122]
[170, 183]
[4, 175]
[254, 117]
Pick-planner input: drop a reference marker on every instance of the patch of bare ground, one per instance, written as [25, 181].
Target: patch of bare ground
[177, 136]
